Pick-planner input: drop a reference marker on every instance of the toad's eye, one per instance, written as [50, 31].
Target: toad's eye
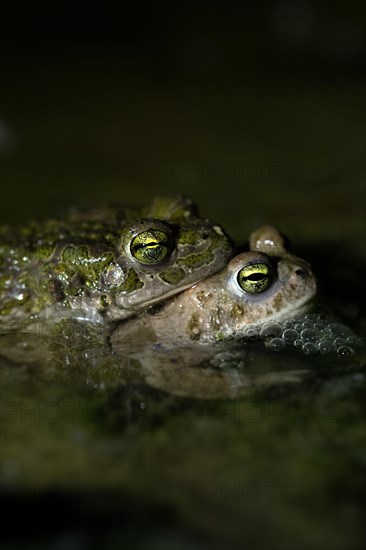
[255, 278]
[151, 246]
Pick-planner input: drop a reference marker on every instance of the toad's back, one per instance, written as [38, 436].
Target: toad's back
[107, 263]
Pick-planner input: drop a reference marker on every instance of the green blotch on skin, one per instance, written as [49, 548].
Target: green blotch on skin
[196, 260]
[217, 242]
[75, 254]
[92, 269]
[188, 236]
[174, 275]
[79, 265]
[131, 282]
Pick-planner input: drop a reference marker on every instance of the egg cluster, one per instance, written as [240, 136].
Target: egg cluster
[311, 333]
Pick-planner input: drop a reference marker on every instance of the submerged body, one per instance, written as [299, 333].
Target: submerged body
[194, 344]
[106, 263]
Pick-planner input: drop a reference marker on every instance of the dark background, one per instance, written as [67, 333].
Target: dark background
[257, 111]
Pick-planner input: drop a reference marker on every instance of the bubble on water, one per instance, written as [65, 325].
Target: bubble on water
[277, 344]
[326, 346]
[343, 351]
[252, 332]
[338, 329]
[270, 329]
[325, 335]
[309, 335]
[354, 342]
[339, 342]
[309, 348]
[311, 318]
[290, 335]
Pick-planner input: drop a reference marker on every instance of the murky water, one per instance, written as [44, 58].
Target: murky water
[91, 452]
[281, 440]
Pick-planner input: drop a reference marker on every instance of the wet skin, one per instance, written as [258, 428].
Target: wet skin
[254, 288]
[106, 264]
[192, 344]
